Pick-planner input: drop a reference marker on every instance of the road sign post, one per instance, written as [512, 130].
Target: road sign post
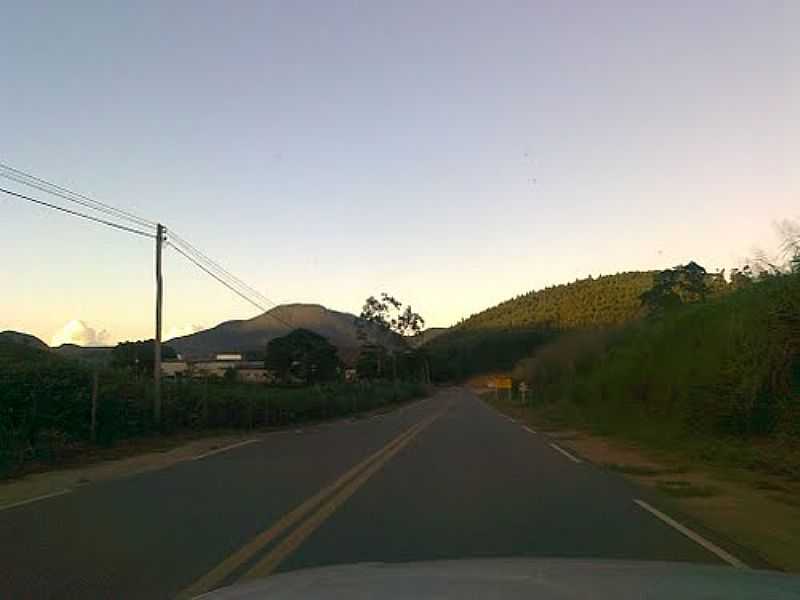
[523, 390]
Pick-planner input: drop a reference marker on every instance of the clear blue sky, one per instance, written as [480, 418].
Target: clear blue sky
[325, 151]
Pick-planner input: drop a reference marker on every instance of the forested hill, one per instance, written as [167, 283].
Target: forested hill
[496, 338]
[605, 300]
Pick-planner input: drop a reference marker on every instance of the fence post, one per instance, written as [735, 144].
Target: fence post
[205, 402]
[94, 407]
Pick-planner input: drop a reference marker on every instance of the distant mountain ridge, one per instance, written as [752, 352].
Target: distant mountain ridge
[253, 334]
[100, 355]
[23, 339]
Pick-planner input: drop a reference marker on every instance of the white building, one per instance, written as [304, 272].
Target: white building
[174, 368]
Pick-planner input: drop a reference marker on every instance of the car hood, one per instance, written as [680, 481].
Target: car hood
[518, 578]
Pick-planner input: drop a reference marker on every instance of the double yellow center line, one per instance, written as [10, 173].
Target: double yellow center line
[326, 502]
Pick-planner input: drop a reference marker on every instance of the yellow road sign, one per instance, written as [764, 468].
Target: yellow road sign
[502, 383]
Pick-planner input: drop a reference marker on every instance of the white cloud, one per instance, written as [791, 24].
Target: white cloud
[181, 330]
[78, 332]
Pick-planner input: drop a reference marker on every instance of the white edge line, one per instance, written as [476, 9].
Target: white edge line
[528, 429]
[695, 537]
[565, 453]
[36, 499]
[225, 449]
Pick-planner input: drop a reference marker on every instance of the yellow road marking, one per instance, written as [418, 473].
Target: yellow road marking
[271, 561]
[218, 574]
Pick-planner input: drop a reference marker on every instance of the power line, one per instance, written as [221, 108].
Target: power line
[79, 214]
[57, 190]
[229, 281]
[219, 268]
[182, 246]
[176, 239]
[223, 273]
[209, 272]
[42, 188]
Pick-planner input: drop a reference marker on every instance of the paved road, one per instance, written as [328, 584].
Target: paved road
[443, 478]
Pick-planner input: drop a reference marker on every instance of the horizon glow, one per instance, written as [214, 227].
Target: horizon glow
[327, 152]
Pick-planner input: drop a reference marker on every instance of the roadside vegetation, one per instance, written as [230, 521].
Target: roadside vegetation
[497, 338]
[46, 399]
[707, 363]
[717, 377]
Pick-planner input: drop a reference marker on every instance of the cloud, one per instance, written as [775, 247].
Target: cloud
[78, 332]
[181, 330]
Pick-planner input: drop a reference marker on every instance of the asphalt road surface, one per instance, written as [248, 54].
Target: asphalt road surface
[444, 478]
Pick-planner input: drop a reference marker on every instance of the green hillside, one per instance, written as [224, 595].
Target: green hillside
[496, 338]
[727, 368]
[605, 300]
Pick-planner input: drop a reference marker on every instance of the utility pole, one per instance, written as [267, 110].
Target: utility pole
[157, 342]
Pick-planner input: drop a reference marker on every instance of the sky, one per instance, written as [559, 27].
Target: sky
[454, 154]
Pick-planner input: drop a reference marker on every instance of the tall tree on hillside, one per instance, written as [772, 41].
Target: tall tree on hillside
[789, 232]
[385, 315]
[388, 313]
[302, 356]
[681, 285]
[741, 277]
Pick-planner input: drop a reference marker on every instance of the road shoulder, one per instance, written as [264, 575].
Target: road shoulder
[150, 454]
[755, 511]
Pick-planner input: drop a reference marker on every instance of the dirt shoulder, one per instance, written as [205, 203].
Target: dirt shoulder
[756, 511]
[132, 457]
[98, 466]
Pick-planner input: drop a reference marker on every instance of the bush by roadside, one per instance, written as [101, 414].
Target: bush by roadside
[45, 405]
[718, 380]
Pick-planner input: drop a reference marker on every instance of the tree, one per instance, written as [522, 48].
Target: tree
[741, 277]
[230, 375]
[370, 361]
[302, 356]
[387, 316]
[673, 287]
[789, 232]
[139, 356]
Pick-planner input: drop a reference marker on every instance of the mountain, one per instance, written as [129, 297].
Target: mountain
[96, 355]
[23, 339]
[99, 356]
[253, 334]
[426, 336]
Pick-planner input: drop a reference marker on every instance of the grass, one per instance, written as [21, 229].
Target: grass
[643, 470]
[686, 489]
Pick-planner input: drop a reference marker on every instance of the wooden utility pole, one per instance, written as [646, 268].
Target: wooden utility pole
[157, 341]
